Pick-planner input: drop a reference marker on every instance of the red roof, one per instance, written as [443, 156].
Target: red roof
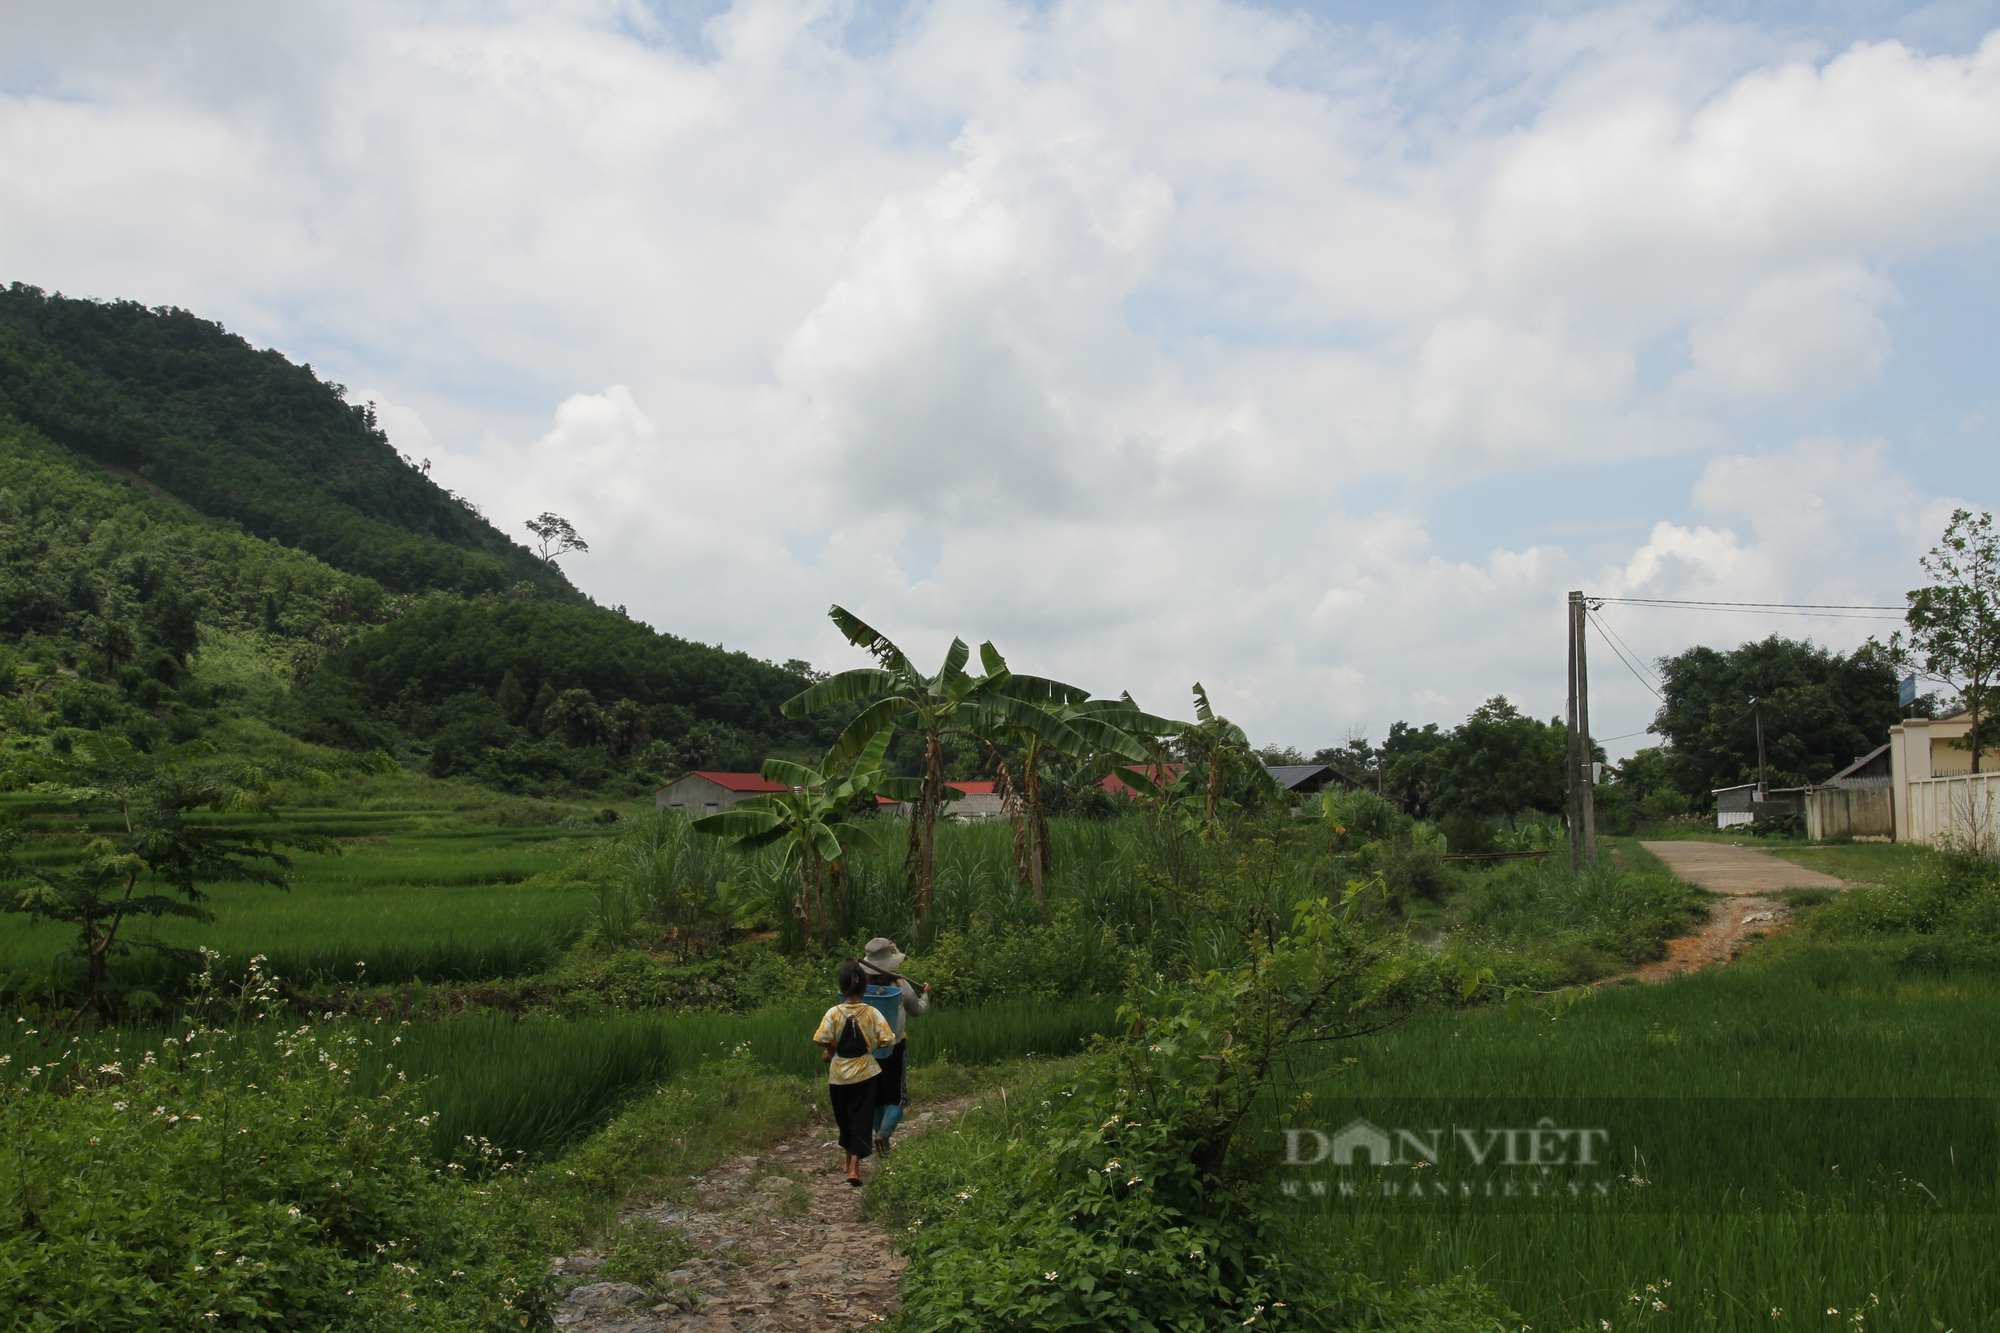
[969, 788]
[1161, 774]
[738, 781]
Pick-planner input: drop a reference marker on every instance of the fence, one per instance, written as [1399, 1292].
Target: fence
[1953, 811]
[1854, 812]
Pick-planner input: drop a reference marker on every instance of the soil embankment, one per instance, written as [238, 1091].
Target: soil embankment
[1747, 879]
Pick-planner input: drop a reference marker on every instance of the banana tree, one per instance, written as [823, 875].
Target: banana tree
[809, 822]
[1219, 745]
[907, 699]
[1072, 726]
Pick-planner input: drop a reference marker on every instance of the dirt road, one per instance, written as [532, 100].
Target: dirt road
[785, 1249]
[1746, 878]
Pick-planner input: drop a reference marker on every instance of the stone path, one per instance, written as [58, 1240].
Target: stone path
[783, 1244]
[1745, 877]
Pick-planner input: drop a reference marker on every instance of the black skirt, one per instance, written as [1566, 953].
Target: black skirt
[854, 1112]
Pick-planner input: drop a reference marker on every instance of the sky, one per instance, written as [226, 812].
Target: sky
[1313, 351]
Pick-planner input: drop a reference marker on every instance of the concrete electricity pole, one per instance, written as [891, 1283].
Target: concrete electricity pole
[1582, 805]
[1757, 712]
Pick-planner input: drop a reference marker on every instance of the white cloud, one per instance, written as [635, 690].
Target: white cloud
[1133, 335]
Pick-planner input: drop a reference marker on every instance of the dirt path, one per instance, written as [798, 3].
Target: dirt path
[1746, 878]
[783, 1247]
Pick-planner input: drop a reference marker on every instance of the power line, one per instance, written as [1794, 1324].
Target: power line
[1606, 740]
[1606, 627]
[1824, 611]
[1627, 661]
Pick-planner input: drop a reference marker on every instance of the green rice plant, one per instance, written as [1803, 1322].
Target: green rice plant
[1840, 1028]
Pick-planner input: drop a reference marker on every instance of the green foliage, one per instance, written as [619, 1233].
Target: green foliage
[246, 435]
[1954, 895]
[807, 826]
[1820, 709]
[1499, 762]
[1955, 621]
[1063, 958]
[1796, 1018]
[152, 797]
[1117, 1201]
[213, 1181]
[616, 704]
[1596, 921]
[120, 581]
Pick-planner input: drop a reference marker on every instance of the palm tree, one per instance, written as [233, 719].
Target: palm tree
[907, 699]
[809, 820]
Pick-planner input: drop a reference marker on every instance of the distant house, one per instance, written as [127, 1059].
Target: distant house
[1160, 775]
[980, 801]
[1856, 802]
[1305, 779]
[1735, 806]
[1870, 770]
[700, 794]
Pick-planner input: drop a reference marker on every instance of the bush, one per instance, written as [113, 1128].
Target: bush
[1061, 959]
[1120, 1200]
[1953, 894]
[211, 1184]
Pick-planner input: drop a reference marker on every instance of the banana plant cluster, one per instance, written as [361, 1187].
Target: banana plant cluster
[997, 707]
[809, 822]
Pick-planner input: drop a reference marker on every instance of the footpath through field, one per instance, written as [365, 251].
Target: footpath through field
[784, 1249]
[1744, 877]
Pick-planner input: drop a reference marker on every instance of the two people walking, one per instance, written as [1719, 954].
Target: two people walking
[863, 1044]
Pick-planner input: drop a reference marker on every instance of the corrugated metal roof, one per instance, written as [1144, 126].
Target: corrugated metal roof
[973, 788]
[1863, 762]
[740, 781]
[1292, 776]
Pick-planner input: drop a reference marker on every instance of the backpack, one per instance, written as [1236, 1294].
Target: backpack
[852, 1045]
[888, 1002]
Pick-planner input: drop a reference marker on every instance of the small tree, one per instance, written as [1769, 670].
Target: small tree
[557, 536]
[575, 716]
[1217, 747]
[809, 822]
[624, 728]
[1955, 622]
[152, 797]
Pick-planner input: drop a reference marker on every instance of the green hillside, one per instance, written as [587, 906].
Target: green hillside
[246, 435]
[192, 529]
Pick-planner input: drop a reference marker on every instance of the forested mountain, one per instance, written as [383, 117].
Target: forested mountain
[243, 434]
[191, 527]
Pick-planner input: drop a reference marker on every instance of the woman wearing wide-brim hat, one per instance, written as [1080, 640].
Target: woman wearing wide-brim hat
[897, 998]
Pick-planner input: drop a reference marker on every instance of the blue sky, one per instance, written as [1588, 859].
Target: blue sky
[1313, 351]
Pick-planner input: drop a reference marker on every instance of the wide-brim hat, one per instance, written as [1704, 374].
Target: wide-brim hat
[882, 955]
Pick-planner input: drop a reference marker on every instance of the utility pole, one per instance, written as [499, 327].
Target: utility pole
[1757, 712]
[1582, 805]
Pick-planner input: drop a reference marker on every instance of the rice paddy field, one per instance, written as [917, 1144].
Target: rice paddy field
[1786, 1072]
[1797, 1055]
[417, 894]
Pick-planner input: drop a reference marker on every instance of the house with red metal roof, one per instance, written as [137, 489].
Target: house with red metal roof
[980, 801]
[1161, 775]
[699, 794]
